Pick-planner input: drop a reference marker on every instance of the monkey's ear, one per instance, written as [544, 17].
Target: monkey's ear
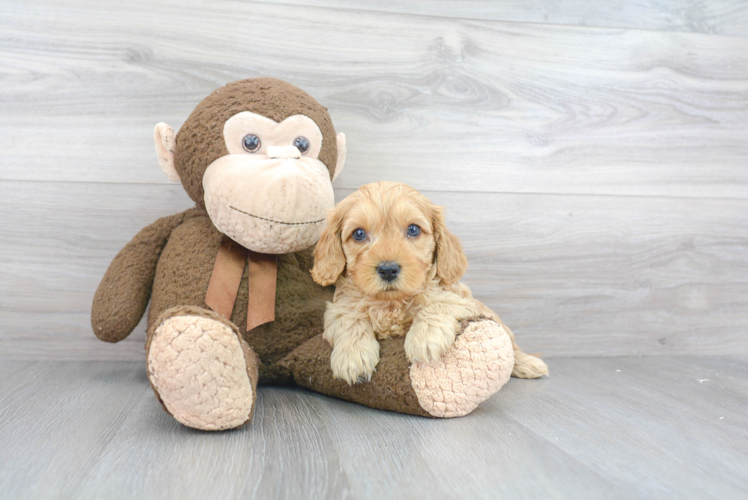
[164, 137]
[451, 262]
[341, 156]
[329, 258]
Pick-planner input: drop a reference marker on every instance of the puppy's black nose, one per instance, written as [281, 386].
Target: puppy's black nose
[388, 270]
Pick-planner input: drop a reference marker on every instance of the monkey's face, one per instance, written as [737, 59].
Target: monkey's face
[259, 155]
[271, 192]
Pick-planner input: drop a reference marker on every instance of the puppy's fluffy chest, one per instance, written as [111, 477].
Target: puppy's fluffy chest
[392, 318]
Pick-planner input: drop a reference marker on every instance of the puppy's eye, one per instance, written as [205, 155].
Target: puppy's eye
[359, 234]
[251, 143]
[414, 230]
[302, 144]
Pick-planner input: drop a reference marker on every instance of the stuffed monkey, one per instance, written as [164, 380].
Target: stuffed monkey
[232, 301]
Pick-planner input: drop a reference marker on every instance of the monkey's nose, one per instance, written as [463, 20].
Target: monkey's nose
[388, 271]
[283, 152]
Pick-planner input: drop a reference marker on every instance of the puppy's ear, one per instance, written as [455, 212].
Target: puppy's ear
[450, 259]
[329, 259]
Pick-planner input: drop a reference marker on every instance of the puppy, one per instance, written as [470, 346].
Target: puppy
[396, 269]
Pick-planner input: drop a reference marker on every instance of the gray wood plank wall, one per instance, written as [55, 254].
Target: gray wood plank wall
[592, 155]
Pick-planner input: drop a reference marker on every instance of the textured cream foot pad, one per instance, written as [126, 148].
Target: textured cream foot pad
[197, 366]
[478, 365]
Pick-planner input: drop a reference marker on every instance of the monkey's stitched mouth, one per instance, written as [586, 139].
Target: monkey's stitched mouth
[278, 221]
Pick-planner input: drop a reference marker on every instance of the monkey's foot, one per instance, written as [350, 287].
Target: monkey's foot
[476, 367]
[203, 373]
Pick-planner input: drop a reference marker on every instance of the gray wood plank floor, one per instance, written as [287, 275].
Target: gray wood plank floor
[661, 427]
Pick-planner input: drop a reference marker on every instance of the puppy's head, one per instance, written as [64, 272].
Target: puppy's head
[387, 237]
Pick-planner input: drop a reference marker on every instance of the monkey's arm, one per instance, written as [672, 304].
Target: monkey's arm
[125, 289]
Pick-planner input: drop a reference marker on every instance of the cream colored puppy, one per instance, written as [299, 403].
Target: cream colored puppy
[396, 269]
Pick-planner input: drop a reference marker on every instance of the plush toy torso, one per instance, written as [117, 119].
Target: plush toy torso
[183, 273]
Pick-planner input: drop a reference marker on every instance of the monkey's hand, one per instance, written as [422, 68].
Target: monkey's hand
[125, 289]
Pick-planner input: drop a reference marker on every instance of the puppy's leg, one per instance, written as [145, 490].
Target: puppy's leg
[436, 325]
[429, 337]
[525, 365]
[355, 349]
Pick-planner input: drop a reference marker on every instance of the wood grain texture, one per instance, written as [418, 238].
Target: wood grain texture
[726, 17]
[284, 453]
[55, 250]
[435, 102]
[57, 418]
[638, 422]
[655, 428]
[572, 275]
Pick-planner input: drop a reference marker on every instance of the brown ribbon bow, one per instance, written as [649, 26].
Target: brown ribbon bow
[227, 275]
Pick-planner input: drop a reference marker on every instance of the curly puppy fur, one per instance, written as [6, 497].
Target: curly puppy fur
[424, 301]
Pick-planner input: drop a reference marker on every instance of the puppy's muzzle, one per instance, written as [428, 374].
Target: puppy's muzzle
[388, 271]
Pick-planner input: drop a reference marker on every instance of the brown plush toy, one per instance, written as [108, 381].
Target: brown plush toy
[233, 304]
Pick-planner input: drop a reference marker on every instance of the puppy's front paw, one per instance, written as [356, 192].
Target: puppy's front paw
[355, 361]
[427, 342]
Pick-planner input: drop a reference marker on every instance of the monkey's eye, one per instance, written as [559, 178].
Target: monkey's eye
[251, 143]
[414, 230]
[302, 144]
[359, 234]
